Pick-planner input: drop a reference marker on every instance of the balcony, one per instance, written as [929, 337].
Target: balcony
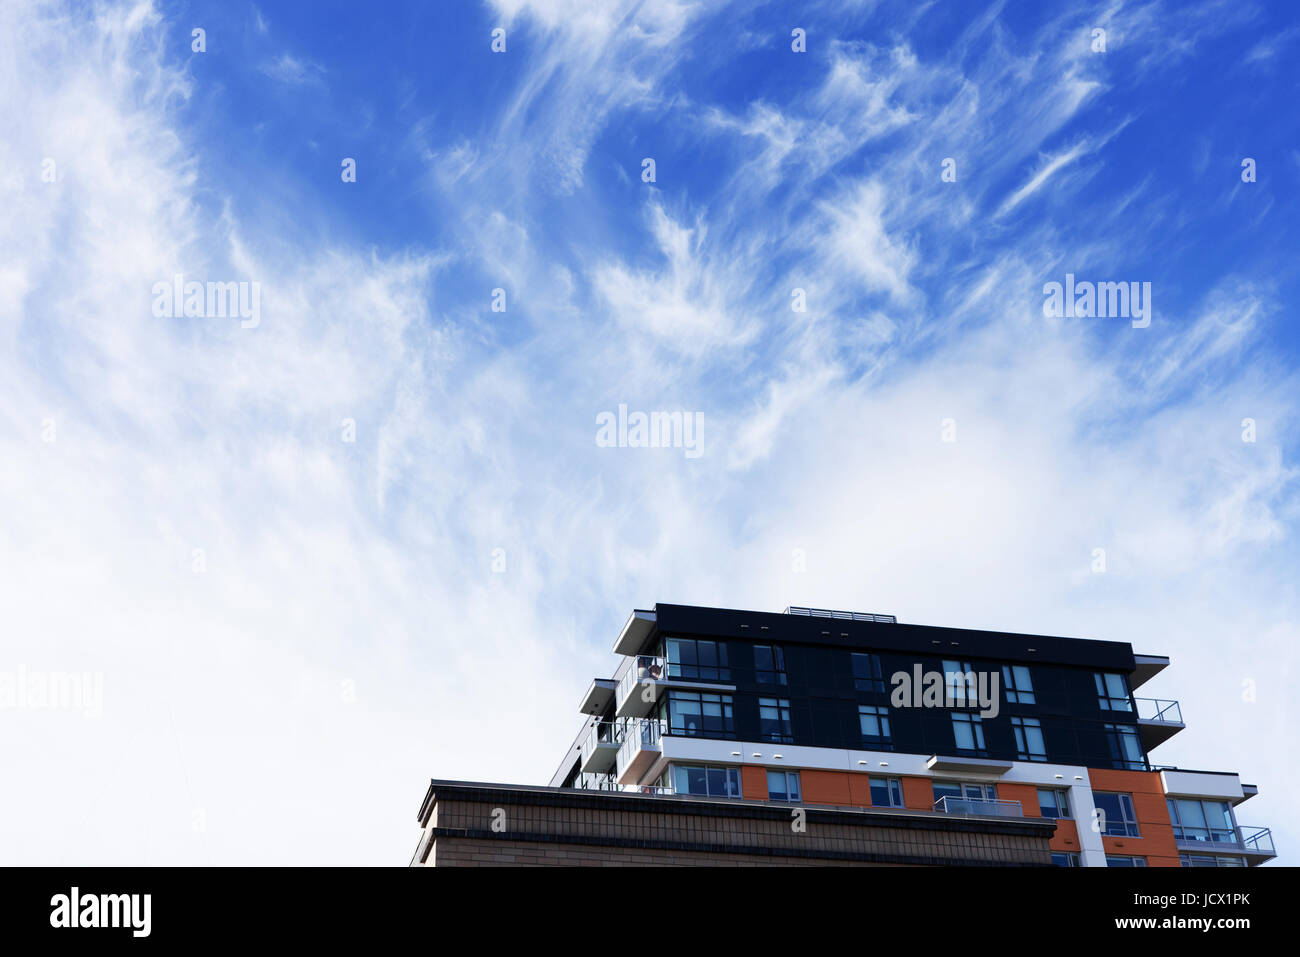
[646, 678]
[973, 807]
[600, 748]
[596, 782]
[639, 748]
[1255, 843]
[1158, 720]
[639, 688]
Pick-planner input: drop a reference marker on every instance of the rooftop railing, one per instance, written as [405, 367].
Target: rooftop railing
[842, 615]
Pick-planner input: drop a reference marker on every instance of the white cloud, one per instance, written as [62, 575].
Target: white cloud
[349, 639]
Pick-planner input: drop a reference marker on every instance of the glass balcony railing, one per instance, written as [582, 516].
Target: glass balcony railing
[595, 782]
[1252, 840]
[600, 746]
[639, 748]
[979, 808]
[1155, 709]
[645, 671]
[1256, 840]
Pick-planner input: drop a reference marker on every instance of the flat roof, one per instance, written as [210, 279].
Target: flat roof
[961, 643]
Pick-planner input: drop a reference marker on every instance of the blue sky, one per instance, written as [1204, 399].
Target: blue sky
[346, 634]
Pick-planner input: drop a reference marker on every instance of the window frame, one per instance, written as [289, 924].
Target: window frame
[1021, 728]
[892, 786]
[1061, 799]
[776, 675]
[1117, 735]
[976, 725]
[726, 715]
[967, 698]
[1127, 817]
[873, 681]
[1187, 859]
[789, 797]
[1210, 840]
[1106, 694]
[881, 715]
[727, 769]
[719, 670]
[1017, 693]
[782, 708]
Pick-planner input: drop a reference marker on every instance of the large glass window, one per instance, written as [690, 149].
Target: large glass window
[1020, 690]
[1210, 860]
[706, 780]
[1054, 802]
[967, 792]
[1117, 860]
[886, 792]
[769, 665]
[700, 713]
[774, 720]
[1117, 816]
[1196, 820]
[866, 673]
[706, 660]
[1112, 692]
[968, 733]
[1065, 859]
[960, 681]
[783, 786]
[1029, 739]
[1125, 747]
[874, 721]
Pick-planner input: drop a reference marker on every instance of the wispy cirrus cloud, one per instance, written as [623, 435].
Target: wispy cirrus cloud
[360, 600]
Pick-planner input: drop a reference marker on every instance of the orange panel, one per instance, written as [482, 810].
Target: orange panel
[825, 787]
[859, 789]
[918, 794]
[753, 783]
[1026, 794]
[1157, 842]
[1066, 837]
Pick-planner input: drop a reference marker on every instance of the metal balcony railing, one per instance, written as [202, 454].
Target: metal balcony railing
[1256, 840]
[978, 807]
[1156, 709]
[652, 790]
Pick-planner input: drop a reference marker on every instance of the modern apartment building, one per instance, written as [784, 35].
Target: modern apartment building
[854, 712]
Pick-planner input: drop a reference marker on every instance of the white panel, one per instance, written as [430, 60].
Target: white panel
[1197, 784]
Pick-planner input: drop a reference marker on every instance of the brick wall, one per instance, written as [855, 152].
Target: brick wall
[501, 825]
